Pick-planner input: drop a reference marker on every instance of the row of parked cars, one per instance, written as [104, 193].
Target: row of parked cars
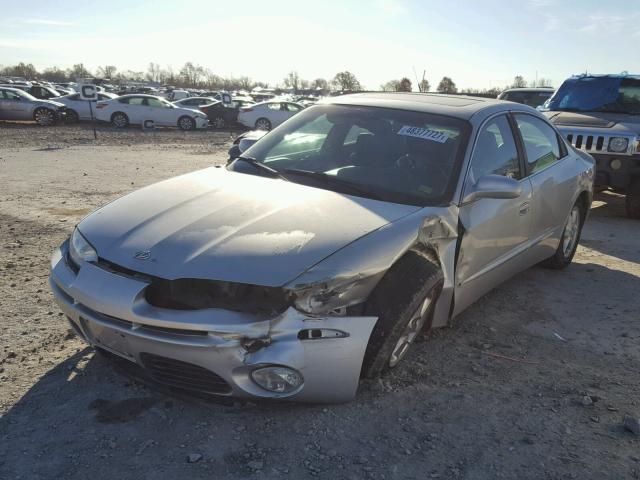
[44, 105]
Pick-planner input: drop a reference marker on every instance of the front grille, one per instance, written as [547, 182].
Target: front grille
[183, 375]
[593, 143]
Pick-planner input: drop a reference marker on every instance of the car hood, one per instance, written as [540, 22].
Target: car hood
[223, 225]
[615, 122]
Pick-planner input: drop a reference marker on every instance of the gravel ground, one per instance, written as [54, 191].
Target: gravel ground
[532, 382]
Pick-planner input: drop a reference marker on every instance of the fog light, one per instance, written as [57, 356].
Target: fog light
[615, 164]
[277, 379]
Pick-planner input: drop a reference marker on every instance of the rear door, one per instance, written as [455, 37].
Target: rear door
[548, 166]
[136, 110]
[14, 106]
[495, 232]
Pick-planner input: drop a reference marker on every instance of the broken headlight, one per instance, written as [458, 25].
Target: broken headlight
[333, 297]
[80, 250]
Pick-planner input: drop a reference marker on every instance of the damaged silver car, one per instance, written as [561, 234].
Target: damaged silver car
[318, 255]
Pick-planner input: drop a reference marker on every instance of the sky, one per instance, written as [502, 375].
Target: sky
[478, 43]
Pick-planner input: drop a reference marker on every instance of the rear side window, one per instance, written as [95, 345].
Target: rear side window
[540, 142]
[495, 151]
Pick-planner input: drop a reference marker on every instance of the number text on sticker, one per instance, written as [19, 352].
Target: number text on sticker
[423, 133]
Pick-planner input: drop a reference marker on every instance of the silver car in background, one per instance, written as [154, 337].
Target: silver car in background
[16, 104]
[318, 255]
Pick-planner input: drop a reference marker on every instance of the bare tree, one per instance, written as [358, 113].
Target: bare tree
[347, 81]
[424, 85]
[404, 85]
[292, 80]
[519, 82]
[78, 71]
[320, 83]
[107, 71]
[447, 85]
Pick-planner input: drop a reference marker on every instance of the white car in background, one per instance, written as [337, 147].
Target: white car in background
[137, 109]
[78, 109]
[267, 115]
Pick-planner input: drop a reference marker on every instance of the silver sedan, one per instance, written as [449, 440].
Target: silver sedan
[318, 255]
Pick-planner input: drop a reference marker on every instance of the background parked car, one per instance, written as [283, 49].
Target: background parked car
[137, 109]
[221, 115]
[78, 109]
[194, 102]
[16, 104]
[266, 115]
[41, 92]
[534, 97]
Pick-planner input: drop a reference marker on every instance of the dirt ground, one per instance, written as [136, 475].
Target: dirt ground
[532, 382]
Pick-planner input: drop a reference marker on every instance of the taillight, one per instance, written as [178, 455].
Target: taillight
[100, 105]
[246, 109]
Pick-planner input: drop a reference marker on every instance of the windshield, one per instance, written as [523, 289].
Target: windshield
[597, 94]
[393, 155]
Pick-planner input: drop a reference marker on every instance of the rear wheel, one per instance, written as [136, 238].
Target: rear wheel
[44, 116]
[403, 301]
[263, 124]
[569, 241]
[632, 201]
[71, 116]
[186, 123]
[119, 120]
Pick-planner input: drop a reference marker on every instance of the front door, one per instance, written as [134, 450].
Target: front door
[553, 181]
[495, 232]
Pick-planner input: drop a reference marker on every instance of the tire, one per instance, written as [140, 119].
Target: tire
[218, 122]
[403, 301]
[632, 200]
[72, 116]
[570, 239]
[263, 124]
[44, 116]
[186, 123]
[120, 120]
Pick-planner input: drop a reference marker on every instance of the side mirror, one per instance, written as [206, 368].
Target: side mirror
[493, 186]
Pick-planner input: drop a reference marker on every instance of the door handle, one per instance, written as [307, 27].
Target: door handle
[524, 208]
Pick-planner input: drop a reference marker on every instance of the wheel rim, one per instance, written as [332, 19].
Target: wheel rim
[186, 123]
[44, 117]
[411, 331]
[119, 121]
[263, 125]
[570, 236]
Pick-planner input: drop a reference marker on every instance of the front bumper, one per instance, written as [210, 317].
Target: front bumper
[202, 122]
[627, 168]
[211, 351]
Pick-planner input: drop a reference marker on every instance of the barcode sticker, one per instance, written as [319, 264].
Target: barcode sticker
[425, 134]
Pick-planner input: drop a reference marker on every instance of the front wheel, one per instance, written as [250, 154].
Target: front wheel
[119, 120]
[403, 301]
[263, 124]
[72, 116]
[632, 201]
[186, 123]
[44, 117]
[570, 239]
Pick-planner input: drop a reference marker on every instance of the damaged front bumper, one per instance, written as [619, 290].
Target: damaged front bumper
[212, 350]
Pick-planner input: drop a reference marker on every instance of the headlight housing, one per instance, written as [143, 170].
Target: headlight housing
[334, 296]
[618, 144]
[80, 250]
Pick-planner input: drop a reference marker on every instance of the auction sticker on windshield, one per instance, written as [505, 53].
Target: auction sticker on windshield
[423, 133]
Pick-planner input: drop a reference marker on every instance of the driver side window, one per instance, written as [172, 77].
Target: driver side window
[495, 152]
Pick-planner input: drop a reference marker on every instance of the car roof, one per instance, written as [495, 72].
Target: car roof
[144, 95]
[531, 89]
[459, 106]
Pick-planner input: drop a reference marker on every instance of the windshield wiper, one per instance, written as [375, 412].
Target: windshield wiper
[333, 180]
[272, 171]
